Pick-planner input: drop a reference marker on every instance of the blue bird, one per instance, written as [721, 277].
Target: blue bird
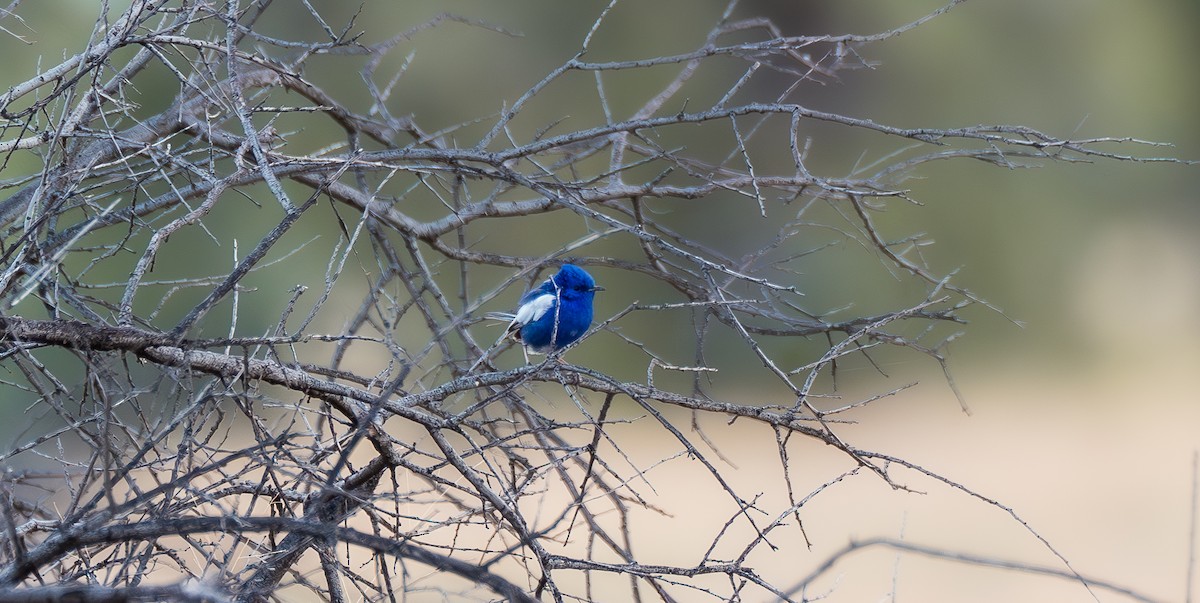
[553, 315]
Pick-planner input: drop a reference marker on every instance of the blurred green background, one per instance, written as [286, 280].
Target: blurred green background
[1075, 251]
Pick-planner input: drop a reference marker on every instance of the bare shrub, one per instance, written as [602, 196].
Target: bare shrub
[241, 314]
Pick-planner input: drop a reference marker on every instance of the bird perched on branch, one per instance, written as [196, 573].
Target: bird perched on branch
[554, 314]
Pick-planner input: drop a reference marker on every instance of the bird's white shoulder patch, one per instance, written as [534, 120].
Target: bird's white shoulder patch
[533, 309]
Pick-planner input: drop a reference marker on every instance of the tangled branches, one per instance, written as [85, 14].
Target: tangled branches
[298, 416]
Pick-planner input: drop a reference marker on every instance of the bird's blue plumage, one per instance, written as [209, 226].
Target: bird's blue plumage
[557, 312]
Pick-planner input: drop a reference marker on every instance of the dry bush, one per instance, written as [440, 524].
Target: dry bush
[242, 315]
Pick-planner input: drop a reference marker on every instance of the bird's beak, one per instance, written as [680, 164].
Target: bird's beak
[596, 288]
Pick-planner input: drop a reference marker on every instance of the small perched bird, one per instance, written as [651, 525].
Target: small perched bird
[553, 315]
